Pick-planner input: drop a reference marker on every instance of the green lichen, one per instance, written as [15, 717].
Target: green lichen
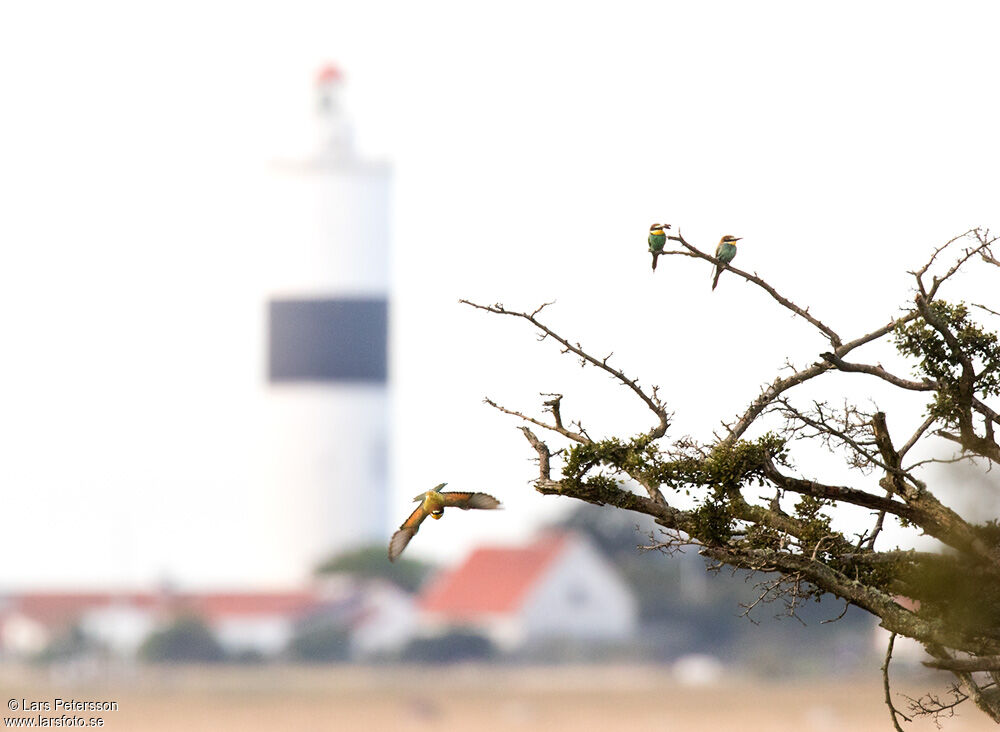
[732, 466]
[940, 363]
[713, 519]
[631, 455]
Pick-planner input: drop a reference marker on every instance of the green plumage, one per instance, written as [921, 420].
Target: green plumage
[433, 503]
[724, 253]
[656, 243]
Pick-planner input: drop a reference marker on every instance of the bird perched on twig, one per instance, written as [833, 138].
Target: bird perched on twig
[657, 238]
[433, 503]
[724, 253]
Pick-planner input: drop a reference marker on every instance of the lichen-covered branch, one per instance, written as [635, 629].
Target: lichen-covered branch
[949, 600]
[980, 663]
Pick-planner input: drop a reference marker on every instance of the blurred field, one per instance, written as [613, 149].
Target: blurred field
[465, 698]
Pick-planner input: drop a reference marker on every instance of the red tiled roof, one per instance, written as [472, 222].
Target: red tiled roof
[214, 606]
[61, 608]
[55, 608]
[492, 579]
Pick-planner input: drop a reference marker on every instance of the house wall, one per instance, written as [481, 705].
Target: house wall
[121, 628]
[580, 596]
[506, 632]
[22, 636]
[266, 634]
[389, 622]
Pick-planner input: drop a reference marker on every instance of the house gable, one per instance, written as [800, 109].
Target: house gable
[492, 581]
[581, 595]
[557, 587]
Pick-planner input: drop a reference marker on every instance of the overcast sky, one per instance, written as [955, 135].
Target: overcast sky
[532, 146]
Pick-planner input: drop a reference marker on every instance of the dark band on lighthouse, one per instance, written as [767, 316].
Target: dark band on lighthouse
[334, 340]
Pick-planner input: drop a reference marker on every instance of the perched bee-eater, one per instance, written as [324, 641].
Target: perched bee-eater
[657, 238]
[433, 503]
[724, 253]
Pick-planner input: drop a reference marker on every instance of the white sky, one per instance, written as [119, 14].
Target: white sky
[532, 145]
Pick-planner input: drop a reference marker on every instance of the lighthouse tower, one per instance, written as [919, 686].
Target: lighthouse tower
[327, 341]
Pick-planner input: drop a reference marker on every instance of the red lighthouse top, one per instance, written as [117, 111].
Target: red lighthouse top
[329, 73]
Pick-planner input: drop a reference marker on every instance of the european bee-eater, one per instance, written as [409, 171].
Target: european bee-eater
[657, 238]
[724, 253]
[433, 503]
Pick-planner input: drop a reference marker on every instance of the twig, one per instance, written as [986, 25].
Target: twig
[651, 401]
[843, 612]
[842, 365]
[983, 307]
[784, 301]
[575, 436]
[916, 435]
[976, 663]
[975, 690]
[894, 713]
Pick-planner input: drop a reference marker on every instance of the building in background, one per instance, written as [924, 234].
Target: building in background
[555, 590]
[558, 588]
[373, 617]
[118, 623]
[327, 292]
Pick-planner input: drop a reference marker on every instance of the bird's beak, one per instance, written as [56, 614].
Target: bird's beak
[737, 238]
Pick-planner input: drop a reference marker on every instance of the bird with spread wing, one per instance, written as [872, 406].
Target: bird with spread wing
[433, 504]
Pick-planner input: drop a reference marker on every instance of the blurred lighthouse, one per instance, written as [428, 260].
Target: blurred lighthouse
[327, 341]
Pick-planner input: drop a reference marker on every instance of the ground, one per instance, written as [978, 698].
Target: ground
[485, 699]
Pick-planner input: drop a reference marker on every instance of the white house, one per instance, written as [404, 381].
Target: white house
[31, 621]
[119, 625]
[259, 622]
[21, 635]
[378, 616]
[387, 622]
[557, 588]
[120, 622]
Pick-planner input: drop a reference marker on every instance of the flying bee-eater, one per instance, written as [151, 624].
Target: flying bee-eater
[433, 504]
[724, 253]
[657, 238]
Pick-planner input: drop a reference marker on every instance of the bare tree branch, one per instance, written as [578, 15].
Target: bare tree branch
[923, 270]
[946, 600]
[975, 663]
[969, 252]
[842, 365]
[784, 301]
[924, 426]
[651, 400]
[975, 690]
[841, 493]
[983, 307]
[569, 434]
[894, 713]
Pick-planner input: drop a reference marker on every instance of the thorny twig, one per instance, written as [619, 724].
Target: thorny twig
[894, 713]
[651, 400]
[785, 543]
